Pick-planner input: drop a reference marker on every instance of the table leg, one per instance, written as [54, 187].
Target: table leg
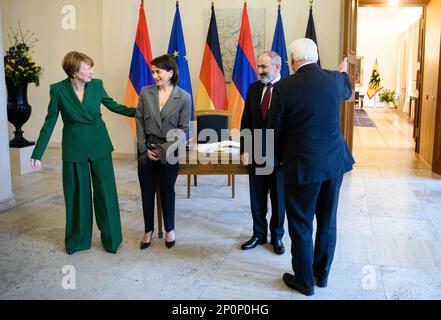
[233, 186]
[188, 185]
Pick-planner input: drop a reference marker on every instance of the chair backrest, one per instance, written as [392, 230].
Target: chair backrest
[213, 119]
[357, 96]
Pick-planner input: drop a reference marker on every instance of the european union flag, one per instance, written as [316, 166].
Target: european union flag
[176, 47]
[279, 45]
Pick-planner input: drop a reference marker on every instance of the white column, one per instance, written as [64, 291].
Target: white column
[7, 200]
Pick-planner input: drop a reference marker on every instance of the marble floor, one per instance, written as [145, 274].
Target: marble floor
[389, 236]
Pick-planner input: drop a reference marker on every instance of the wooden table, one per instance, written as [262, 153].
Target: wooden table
[195, 163]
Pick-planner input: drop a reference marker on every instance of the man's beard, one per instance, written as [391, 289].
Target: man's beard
[265, 80]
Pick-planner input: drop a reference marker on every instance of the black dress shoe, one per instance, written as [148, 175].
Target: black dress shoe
[278, 247]
[144, 245]
[289, 280]
[170, 244]
[321, 282]
[111, 251]
[70, 251]
[252, 243]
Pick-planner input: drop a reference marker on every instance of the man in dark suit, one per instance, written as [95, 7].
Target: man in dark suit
[315, 158]
[259, 114]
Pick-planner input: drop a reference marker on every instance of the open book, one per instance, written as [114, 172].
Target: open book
[226, 146]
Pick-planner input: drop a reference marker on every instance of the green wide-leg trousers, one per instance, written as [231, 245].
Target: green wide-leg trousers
[78, 198]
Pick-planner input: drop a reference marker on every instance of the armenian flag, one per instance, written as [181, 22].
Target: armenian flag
[140, 74]
[244, 72]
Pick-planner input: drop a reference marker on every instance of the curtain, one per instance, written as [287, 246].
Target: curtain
[407, 66]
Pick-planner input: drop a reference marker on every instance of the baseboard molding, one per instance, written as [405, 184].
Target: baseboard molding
[7, 203]
[54, 145]
[123, 156]
[424, 161]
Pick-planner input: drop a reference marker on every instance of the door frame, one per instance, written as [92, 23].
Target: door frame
[420, 77]
[349, 50]
[347, 113]
[421, 46]
[436, 162]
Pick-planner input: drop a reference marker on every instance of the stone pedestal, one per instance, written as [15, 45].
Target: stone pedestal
[6, 204]
[20, 160]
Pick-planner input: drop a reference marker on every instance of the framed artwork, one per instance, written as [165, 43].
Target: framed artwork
[228, 25]
[359, 72]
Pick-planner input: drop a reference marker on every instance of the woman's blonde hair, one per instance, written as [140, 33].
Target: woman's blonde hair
[72, 61]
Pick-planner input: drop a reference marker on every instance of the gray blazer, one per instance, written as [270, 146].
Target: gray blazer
[162, 127]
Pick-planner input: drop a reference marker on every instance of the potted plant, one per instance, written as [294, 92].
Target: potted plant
[388, 96]
[20, 70]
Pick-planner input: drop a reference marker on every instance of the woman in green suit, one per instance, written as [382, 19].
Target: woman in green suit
[86, 154]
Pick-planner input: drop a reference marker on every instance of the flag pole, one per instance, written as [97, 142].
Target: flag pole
[310, 3]
[279, 3]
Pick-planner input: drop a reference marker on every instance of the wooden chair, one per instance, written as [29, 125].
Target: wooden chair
[216, 120]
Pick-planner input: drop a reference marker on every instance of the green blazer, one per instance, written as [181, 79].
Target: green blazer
[85, 135]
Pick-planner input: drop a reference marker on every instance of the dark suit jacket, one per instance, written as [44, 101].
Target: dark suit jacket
[252, 118]
[85, 136]
[153, 125]
[308, 134]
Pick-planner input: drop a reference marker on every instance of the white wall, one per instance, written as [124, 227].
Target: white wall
[374, 43]
[43, 18]
[408, 67]
[106, 30]
[6, 197]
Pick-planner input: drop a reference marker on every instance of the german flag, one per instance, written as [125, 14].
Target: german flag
[212, 93]
[375, 82]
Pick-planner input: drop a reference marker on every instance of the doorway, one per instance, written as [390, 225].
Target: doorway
[427, 107]
[387, 86]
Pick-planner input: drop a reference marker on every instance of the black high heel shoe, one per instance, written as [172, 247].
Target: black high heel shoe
[144, 245]
[170, 244]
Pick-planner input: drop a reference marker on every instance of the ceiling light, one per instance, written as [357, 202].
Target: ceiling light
[393, 2]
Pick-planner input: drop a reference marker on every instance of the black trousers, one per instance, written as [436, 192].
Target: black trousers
[302, 202]
[148, 173]
[260, 186]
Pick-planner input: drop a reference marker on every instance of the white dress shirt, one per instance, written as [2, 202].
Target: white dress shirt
[265, 88]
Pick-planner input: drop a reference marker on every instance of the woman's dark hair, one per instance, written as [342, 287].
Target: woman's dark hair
[167, 62]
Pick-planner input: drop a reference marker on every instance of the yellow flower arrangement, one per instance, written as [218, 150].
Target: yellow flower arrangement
[19, 67]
